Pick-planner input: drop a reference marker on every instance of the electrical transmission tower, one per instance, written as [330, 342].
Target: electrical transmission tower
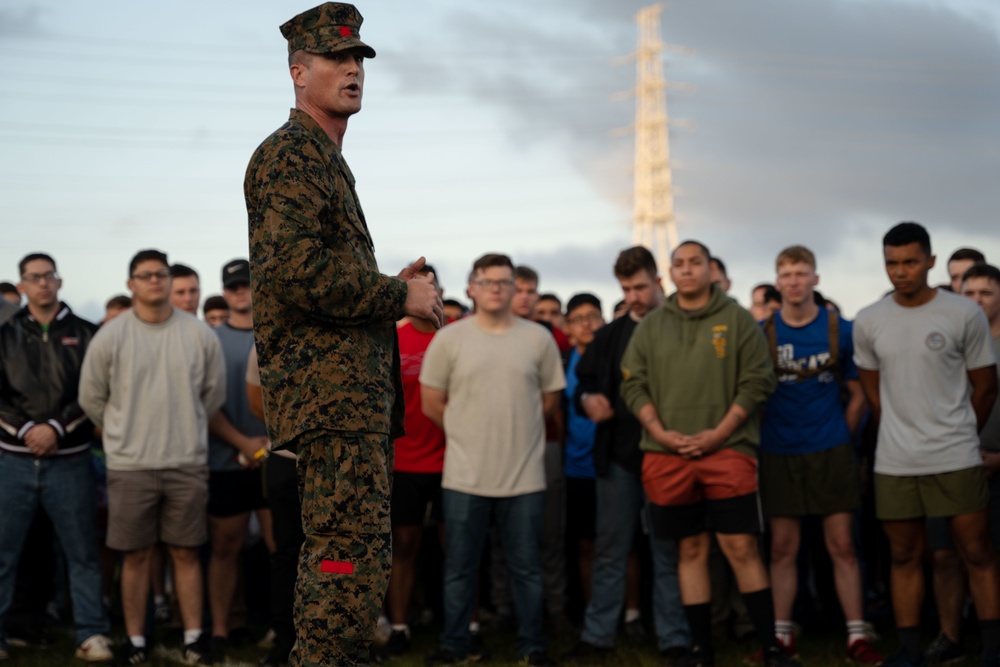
[653, 223]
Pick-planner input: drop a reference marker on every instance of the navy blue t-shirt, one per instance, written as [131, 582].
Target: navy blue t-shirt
[807, 415]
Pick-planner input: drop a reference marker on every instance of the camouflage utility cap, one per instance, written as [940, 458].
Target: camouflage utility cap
[331, 27]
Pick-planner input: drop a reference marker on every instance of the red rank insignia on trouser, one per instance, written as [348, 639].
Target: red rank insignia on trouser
[336, 567]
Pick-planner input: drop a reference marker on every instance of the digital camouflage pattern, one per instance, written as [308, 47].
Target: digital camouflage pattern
[346, 557]
[324, 317]
[331, 27]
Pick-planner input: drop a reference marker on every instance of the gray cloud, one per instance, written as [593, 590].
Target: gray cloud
[21, 21]
[814, 120]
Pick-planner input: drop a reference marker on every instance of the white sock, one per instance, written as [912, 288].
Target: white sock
[191, 636]
[632, 615]
[784, 631]
[138, 641]
[401, 627]
[474, 627]
[855, 631]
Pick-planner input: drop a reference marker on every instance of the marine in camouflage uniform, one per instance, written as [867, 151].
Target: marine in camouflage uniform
[324, 320]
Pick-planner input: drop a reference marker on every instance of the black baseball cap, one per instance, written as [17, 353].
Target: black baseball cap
[236, 272]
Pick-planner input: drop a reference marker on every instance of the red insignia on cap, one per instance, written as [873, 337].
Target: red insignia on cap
[345, 31]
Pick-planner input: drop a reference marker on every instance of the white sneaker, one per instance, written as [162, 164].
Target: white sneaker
[95, 649]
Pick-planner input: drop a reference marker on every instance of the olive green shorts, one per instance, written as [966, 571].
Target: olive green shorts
[813, 484]
[898, 498]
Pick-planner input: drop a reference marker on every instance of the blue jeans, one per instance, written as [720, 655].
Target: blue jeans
[64, 488]
[466, 523]
[619, 500]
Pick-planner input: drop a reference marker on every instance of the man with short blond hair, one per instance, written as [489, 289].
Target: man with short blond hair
[807, 461]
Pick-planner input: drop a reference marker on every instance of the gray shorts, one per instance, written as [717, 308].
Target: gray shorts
[150, 506]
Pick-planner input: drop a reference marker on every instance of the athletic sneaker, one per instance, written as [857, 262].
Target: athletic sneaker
[790, 650]
[200, 652]
[900, 659]
[478, 650]
[673, 655]
[585, 653]
[538, 659]
[129, 654]
[777, 656]
[398, 644]
[943, 651]
[863, 653]
[694, 658]
[443, 657]
[95, 649]
[634, 629]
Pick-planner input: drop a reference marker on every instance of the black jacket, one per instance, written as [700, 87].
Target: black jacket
[40, 377]
[599, 371]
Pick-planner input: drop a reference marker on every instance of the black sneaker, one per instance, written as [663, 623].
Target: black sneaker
[693, 658]
[443, 657]
[634, 630]
[585, 653]
[775, 656]
[673, 655]
[538, 659]
[129, 654]
[478, 650]
[277, 656]
[943, 651]
[397, 644]
[200, 652]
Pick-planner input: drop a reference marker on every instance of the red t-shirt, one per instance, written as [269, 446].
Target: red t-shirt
[422, 448]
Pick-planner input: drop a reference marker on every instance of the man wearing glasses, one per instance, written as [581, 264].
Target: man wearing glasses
[45, 448]
[488, 381]
[151, 379]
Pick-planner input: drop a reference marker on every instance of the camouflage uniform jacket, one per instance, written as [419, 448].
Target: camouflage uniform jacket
[324, 317]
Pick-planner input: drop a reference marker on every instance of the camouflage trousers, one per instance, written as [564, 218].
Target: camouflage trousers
[344, 565]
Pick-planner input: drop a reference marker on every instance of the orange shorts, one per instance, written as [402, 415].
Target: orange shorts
[671, 480]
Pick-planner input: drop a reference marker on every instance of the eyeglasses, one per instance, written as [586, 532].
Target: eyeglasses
[145, 276]
[490, 284]
[584, 319]
[48, 276]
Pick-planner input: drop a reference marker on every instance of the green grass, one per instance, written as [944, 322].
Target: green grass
[817, 650]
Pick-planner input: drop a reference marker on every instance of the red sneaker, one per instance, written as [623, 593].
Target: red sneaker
[757, 657]
[863, 653]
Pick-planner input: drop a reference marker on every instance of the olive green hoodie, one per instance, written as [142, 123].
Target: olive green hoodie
[693, 368]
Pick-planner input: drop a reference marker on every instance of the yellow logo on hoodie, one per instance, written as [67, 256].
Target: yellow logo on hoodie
[719, 340]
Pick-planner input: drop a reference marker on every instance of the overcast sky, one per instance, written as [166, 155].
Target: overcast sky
[489, 127]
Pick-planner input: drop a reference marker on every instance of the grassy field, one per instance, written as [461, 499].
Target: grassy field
[817, 650]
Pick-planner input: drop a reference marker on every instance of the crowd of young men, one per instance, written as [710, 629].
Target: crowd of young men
[673, 411]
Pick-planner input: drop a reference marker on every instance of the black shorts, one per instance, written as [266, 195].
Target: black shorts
[581, 509]
[233, 492]
[741, 515]
[416, 497]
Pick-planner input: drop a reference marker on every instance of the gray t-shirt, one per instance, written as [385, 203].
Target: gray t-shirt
[236, 346]
[493, 422]
[923, 355]
[152, 388]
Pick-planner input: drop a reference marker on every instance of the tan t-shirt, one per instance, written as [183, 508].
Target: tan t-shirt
[493, 422]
